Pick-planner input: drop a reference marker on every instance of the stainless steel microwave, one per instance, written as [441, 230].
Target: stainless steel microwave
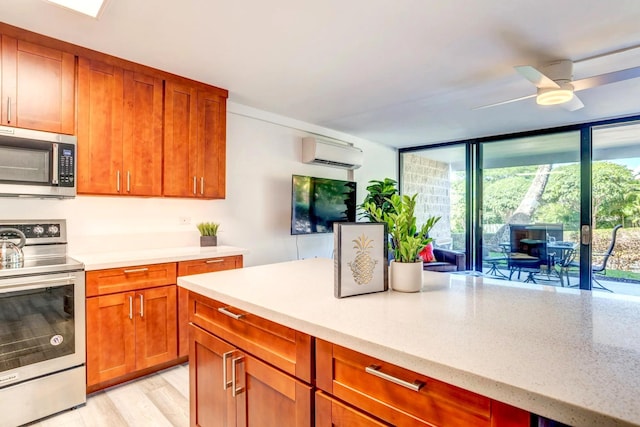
[37, 164]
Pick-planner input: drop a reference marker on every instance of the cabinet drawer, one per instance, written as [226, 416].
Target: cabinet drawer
[368, 383]
[186, 268]
[103, 282]
[282, 347]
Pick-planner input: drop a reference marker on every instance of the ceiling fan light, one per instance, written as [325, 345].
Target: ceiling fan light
[554, 96]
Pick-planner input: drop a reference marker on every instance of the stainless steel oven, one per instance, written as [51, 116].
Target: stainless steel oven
[42, 327]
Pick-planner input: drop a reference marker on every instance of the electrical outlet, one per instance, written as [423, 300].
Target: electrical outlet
[185, 220]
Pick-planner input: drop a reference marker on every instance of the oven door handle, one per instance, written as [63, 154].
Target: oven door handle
[29, 283]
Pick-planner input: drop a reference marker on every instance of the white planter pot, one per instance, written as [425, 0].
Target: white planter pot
[406, 276]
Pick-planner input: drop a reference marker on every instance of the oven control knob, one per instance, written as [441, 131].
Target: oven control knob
[38, 230]
[53, 229]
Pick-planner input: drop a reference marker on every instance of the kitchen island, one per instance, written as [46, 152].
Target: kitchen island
[569, 355]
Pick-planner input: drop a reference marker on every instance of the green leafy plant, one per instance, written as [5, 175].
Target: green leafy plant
[379, 194]
[407, 241]
[208, 228]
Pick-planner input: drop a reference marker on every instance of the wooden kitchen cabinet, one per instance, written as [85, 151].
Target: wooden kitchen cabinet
[401, 397]
[37, 87]
[131, 322]
[198, 266]
[333, 413]
[119, 131]
[194, 141]
[245, 370]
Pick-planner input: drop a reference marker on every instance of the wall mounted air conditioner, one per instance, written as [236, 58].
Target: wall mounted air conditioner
[322, 151]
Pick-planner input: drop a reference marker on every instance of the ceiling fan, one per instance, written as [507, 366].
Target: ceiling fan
[556, 87]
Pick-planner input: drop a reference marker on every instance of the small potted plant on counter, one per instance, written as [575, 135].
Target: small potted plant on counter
[208, 233]
[407, 241]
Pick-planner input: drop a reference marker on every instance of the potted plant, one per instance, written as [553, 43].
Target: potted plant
[208, 233]
[379, 194]
[406, 240]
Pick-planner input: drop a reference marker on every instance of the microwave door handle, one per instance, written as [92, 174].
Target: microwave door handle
[56, 165]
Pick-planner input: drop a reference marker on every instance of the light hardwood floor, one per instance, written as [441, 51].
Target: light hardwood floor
[160, 399]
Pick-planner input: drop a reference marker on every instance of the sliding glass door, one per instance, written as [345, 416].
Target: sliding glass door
[615, 199]
[529, 214]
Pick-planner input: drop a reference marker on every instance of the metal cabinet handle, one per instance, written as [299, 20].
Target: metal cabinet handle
[225, 311]
[9, 109]
[141, 305]
[202, 185]
[226, 383]
[136, 270]
[118, 181]
[130, 307]
[375, 370]
[195, 185]
[128, 182]
[235, 390]
[213, 261]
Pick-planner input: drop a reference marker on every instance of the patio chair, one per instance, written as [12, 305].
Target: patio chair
[601, 267]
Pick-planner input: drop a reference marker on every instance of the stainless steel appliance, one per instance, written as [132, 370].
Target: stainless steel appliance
[37, 164]
[42, 325]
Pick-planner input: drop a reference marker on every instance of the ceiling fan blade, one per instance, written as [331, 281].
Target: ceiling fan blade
[574, 104]
[504, 102]
[535, 76]
[603, 79]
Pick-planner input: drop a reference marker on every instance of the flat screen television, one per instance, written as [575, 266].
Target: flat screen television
[316, 203]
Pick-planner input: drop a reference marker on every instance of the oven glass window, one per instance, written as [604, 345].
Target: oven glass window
[36, 325]
[22, 165]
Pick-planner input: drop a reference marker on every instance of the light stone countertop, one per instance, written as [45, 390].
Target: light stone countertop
[99, 261]
[570, 355]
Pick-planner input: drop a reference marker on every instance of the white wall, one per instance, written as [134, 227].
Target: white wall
[263, 151]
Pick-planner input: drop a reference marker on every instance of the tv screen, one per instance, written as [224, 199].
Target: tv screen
[316, 203]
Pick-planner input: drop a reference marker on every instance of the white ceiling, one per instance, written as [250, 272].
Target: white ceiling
[398, 72]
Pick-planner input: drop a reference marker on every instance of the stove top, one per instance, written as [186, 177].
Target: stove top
[45, 249]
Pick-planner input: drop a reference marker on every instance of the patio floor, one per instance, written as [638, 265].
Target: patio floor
[618, 287]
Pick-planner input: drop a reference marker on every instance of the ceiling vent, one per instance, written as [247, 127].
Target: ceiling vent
[320, 151]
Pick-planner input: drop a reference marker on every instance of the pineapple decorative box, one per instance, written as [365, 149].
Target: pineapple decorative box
[360, 258]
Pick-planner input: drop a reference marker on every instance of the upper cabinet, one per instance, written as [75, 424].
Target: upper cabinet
[37, 87]
[194, 141]
[119, 131]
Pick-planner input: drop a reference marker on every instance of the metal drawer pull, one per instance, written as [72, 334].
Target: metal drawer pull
[136, 270]
[213, 261]
[130, 307]
[375, 370]
[141, 306]
[226, 383]
[225, 311]
[235, 390]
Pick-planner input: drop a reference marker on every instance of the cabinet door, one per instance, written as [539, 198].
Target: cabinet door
[180, 140]
[100, 110]
[211, 145]
[156, 326]
[261, 388]
[142, 135]
[186, 268]
[210, 398]
[332, 413]
[37, 87]
[110, 337]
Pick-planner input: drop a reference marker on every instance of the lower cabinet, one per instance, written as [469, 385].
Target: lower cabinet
[249, 371]
[231, 388]
[130, 331]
